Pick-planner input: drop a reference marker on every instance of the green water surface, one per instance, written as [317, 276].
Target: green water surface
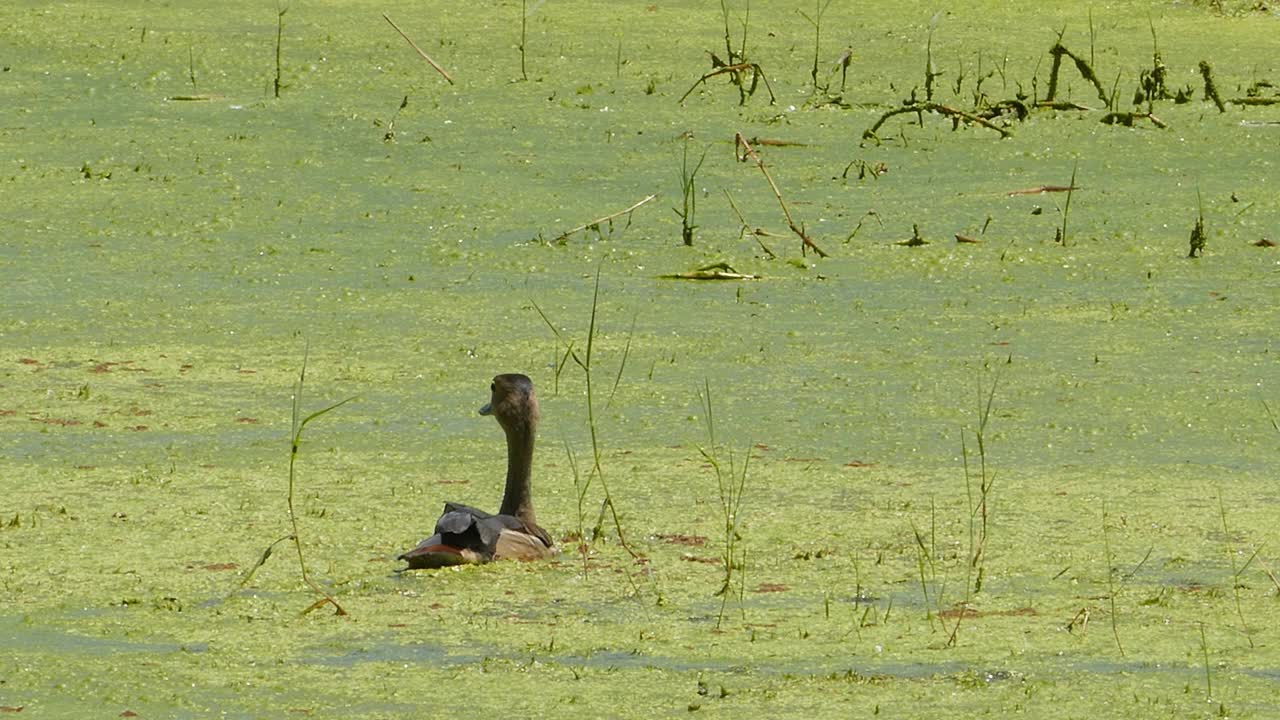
[166, 261]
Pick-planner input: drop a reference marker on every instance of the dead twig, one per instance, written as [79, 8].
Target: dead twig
[414, 45]
[770, 142]
[714, 271]
[945, 110]
[1128, 119]
[1271, 574]
[861, 220]
[742, 150]
[1042, 189]
[755, 233]
[596, 223]
[736, 71]
[1062, 105]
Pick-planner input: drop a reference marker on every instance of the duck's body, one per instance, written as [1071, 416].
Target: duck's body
[464, 534]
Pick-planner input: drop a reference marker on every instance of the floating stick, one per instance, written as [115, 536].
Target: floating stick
[414, 45]
[606, 218]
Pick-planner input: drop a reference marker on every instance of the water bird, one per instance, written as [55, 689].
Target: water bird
[465, 535]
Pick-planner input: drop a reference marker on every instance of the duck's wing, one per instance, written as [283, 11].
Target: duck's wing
[466, 535]
[458, 540]
[452, 507]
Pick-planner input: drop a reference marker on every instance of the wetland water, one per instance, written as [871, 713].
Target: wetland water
[165, 262]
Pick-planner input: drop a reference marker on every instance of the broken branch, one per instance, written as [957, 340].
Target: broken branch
[748, 151]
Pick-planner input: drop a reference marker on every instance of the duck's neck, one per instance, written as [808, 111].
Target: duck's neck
[517, 499]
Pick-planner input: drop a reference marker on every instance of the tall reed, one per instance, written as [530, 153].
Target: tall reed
[280, 11]
[731, 484]
[299, 423]
[584, 362]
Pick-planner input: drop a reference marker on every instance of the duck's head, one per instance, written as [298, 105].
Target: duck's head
[512, 403]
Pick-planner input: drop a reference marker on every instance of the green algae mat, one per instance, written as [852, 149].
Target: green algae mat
[932, 369]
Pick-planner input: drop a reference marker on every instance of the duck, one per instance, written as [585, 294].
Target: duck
[465, 535]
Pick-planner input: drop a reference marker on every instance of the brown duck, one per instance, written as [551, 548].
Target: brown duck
[466, 535]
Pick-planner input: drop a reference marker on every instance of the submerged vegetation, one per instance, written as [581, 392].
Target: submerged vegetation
[896, 550]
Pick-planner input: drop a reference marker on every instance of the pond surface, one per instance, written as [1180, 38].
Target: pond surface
[177, 240]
